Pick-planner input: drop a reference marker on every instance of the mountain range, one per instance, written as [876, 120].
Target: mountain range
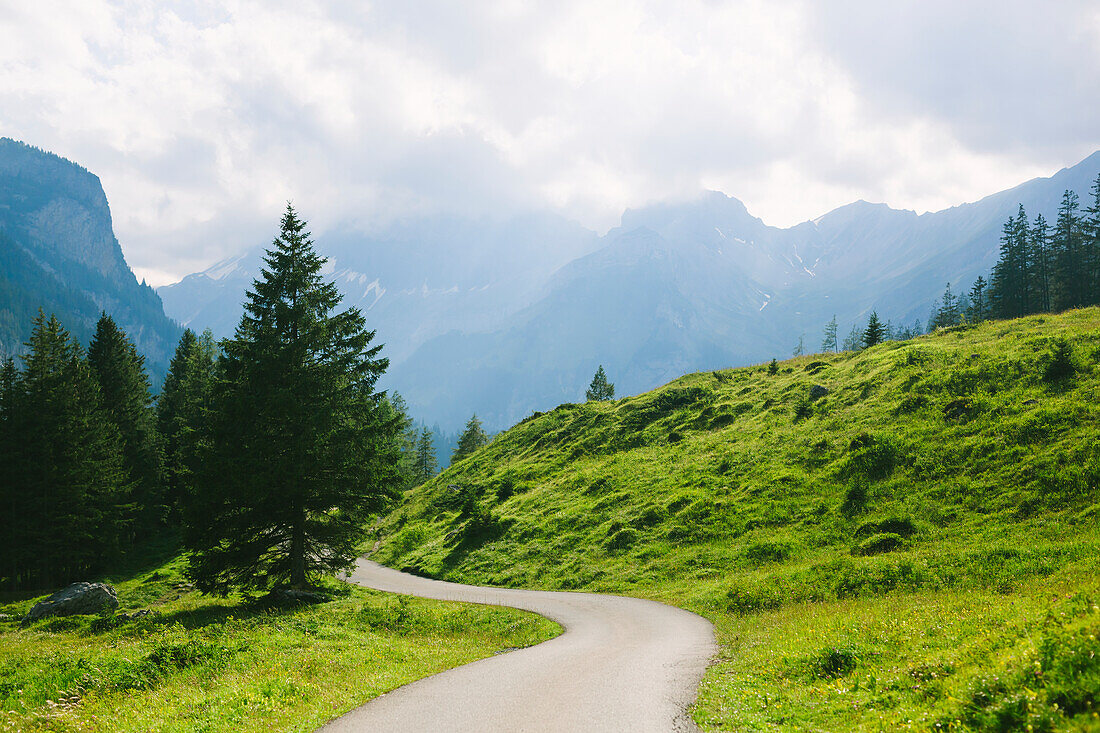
[58, 252]
[503, 317]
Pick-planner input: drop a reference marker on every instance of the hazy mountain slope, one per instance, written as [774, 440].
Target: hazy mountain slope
[413, 280]
[59, 253]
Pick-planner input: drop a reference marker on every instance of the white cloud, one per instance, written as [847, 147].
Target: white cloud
[202, 118]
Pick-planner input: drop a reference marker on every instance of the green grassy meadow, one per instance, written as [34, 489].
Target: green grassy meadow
[206, 664]
[915, 549]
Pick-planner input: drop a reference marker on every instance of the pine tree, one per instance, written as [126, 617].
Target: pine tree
[854, 340]
[128, 403]
[406, 439]
[299, 449]
[472, 438]
[1011, 281]
[800, 347]
[600, 388]
[1091, 245]
[9, 509]
[181, 412]
[1066, 241]
[948, 312]
[426, 466]
[829, 342]
[1039, 244]
[978, 311]
[875, 333]
[70, 479]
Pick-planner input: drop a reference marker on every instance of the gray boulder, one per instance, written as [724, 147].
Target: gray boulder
[75, 600]
[817, 391]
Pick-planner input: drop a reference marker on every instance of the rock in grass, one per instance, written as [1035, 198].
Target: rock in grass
[817, 391]
[78, 599]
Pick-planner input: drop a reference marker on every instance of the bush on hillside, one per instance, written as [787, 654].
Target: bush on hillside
[1061, 362]
[870, 457]
[902, 526]
[878, 544]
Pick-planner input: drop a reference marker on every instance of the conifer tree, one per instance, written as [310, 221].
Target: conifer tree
[1039, 243]
[854, 340]
[299, 448]
[948, 312]
[1070, 276]
[1011, 281]
[405, 437]
[1091, 245]
[127, 402]
[829, 342]
[600, 388]
[70, 479]
[978, 311]
[875, 333]
[182, 409]
[9, 509]
[426, 466]
[800, 347]
[472, 438]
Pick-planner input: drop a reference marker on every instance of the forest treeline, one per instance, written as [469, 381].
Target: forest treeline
[1041, 268]
[265, 452]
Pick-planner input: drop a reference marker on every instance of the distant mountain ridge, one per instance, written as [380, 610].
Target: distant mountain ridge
[58, 252]
[521, 323]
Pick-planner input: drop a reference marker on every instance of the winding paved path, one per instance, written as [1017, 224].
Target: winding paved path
[623, 664]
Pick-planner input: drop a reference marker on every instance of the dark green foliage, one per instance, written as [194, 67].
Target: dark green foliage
[473, 437]
[406, 440]
[622, 539]
[1060, 363]
[773, 367]
[875, 333]
[300, 450]
[768, 551]
[855, 498]
[870, 457]
[802, 408]
[182, 412]
[979, 309]
[128, 404]
[1010, 286]
[832, 663]
[425, 466]
[600, 388]
[1070, 255]
[65, 483]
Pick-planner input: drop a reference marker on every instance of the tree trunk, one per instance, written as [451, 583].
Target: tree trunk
[298, 553]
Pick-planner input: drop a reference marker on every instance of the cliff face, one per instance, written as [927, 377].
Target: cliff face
[58, 252]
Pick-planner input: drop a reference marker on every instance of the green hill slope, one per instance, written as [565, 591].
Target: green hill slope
[916, 546]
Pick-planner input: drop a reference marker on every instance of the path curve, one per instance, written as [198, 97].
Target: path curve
[622, 664]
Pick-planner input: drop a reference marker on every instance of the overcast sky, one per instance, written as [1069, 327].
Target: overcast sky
[203, 118]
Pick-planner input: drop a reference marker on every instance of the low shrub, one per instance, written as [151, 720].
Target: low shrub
[878, 544]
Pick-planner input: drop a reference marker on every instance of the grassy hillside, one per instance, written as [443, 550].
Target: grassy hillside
[916, 547]
[199, 663]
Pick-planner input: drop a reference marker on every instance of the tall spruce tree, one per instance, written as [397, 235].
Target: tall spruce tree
[300, 449]
[426, 466]
[829, 342]
[875, 333]
[9, 514]
[69, 480]
[127, 402]
[978, 310]
[1091, 235]
[405, 437]
[1011, 281]
[473, 437]
[948, 312]
[1070, 269]
[181, 412]
[1039, 244]
[600, 389]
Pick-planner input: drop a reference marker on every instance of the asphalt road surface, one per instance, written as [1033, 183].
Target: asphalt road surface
[622, 664]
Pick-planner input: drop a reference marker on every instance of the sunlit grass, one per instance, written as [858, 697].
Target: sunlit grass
[944, 487]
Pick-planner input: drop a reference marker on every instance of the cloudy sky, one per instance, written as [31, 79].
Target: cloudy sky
[203, 118]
